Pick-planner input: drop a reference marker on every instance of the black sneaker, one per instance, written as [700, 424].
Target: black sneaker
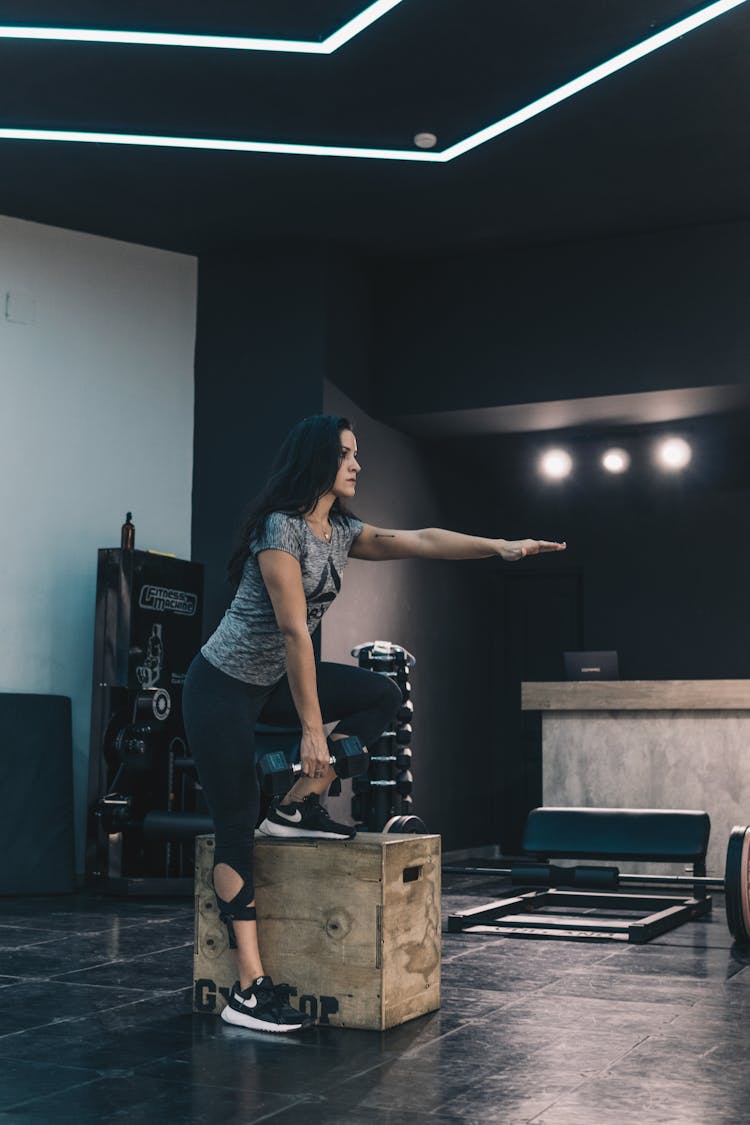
[263, 1007]
[304, 818]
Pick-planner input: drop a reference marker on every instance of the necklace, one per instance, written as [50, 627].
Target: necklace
[326, 534]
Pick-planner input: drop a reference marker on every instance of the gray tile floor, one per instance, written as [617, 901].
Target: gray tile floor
[95, 1025]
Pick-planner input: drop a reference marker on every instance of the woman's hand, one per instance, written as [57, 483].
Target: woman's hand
[314, 755]
[511, 550]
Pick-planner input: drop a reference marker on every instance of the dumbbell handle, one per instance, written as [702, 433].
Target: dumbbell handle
[296, 767]
[381, 784]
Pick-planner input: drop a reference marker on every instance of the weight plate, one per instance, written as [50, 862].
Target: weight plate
[737, 884]
[161, 704]
[405, 824]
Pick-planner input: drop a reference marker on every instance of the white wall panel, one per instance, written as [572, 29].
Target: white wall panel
[96, 417]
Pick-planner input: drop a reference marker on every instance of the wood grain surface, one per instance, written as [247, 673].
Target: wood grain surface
[637, 695]
[353, 926]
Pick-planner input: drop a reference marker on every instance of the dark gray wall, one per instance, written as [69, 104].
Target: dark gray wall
[662, 311]
[431, 609]
[349, 332]
[662, 565]
[663, 560]
[271, 327]
[268, 331]
[648, 312]
[259, 366]
[663, 556]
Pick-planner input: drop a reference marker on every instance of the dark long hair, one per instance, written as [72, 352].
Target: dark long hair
[304, 468]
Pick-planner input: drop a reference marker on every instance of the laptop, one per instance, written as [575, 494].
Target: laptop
[591, 666]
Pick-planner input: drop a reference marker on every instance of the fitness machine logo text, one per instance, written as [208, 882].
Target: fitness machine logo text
[161, 599]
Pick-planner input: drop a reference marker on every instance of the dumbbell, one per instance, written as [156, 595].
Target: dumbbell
[402, 758]
[405, 713]
[403, 784]
[277, 774]
[402, 735]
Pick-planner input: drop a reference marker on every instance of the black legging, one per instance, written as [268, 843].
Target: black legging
[220, 714]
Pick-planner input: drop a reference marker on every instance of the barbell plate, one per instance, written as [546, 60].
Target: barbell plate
[745, 884]
[405, 824]
[737, 884]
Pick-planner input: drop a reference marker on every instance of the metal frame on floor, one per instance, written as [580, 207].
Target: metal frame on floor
[520, 915]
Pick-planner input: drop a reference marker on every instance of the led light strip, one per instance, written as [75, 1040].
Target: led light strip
[590, 77]
[226, 42]
[216, 144]
[619, 62]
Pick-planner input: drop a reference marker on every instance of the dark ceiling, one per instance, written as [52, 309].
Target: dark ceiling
[663, 143]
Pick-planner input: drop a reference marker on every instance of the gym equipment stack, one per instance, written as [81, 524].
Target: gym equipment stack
[382, 800]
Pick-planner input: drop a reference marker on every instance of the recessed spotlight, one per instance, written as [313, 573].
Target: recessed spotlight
[673, 454]
[616, 460]
[425, 140]
[555, 464]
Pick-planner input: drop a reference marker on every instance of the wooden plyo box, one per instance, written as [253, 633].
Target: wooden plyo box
[353, 926]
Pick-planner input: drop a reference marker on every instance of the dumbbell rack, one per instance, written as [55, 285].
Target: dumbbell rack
[382, 798]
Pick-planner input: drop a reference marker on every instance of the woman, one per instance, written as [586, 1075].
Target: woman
[259, 666]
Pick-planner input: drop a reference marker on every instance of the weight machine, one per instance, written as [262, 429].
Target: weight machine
[145, 805]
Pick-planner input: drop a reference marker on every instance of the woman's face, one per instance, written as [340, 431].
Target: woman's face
[345, 485]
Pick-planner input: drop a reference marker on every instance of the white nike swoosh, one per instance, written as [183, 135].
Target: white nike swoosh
[251, 1003]
[295, 817]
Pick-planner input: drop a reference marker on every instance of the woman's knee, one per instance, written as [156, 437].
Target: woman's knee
[392, 697]
[231, 878]
[382, 711]
[235, 868]
[385, 698]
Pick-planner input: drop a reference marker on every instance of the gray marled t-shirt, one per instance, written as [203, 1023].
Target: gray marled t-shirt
[247, 643]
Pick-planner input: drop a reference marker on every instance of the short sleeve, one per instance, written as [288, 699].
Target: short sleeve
[354, 529]
[281, 533]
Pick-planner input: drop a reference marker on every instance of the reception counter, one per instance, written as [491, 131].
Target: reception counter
[648, 744]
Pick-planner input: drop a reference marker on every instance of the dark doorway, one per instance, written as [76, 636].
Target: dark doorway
[536, 617]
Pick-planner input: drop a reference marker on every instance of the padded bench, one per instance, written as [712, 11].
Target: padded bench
[650, 835]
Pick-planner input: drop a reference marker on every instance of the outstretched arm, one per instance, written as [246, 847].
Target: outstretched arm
[379, 543]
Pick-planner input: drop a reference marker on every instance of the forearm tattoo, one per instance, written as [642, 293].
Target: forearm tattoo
[378, 535]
